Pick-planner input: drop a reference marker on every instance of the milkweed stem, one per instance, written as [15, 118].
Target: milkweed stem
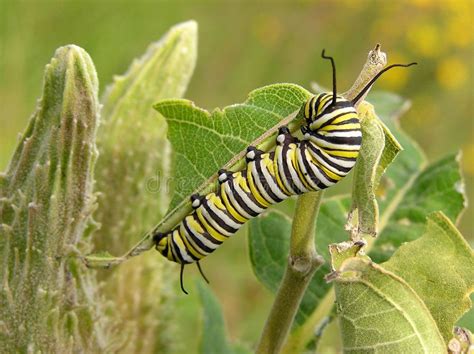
[303, 261]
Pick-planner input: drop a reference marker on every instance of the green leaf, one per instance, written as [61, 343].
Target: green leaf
[379, 148]
[379, 312]
[204, 142]
[406, 167]
[45, 204]
[437, 187]
[214, 337]
[439, 267]
[467, 321]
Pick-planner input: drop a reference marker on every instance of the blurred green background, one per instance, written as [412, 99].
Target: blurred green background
[244, 45]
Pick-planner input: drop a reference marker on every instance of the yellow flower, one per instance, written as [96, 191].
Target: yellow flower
[397, 78]
[424, 39]
[451, 73]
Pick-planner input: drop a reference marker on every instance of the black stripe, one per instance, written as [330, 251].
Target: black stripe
[316, 150]
[188, 252]
[239, 200]
[286, 169]
[217, 219]
[322, 171]
[309, 171]
[265, 183]
[349, 121]
[340, 140]
[310, 104]
[197, 241]
[250, 195]
[175, 250]
[256, 185]
[206, 234]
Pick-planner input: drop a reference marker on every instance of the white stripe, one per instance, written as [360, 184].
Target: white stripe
[191, 241]
[249, 202]
[272, 184]
[201, 238]
[214, 223]
[303, 168]
[342, 134]
[223, 216]
[281, 172]
[183, 252]
[234, 203]
[326, 117]
[324, 163]
[323, 143]
[319, 175]
[258, 183]
[294, 174]
[334, 159]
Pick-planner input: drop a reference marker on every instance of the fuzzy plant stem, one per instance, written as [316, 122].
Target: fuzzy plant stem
[303, 261]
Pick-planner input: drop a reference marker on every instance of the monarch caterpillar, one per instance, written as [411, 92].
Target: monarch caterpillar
[326, 153]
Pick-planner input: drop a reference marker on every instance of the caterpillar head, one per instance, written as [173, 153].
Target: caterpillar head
[161, 243]
[317, 107]
[321, 107]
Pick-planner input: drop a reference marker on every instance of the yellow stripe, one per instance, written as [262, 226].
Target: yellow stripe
[188, 244]
[331, 127]
[330, 173]
[344, 117]
[294, 159]
[268, 162]
[254, 189]
[215, 200]
[277, 172]
[193, 224]
[179, 241]
[306, 108]
[242, 182]
[170, 254]
[323, 102]
[343, 153]
[230, 208]
[209, 228]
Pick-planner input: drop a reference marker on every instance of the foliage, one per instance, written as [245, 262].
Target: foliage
[403, 292]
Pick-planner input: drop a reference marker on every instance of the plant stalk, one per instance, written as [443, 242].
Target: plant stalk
[303, 261]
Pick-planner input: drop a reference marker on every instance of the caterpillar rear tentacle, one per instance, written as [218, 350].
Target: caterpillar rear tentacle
[326, 153]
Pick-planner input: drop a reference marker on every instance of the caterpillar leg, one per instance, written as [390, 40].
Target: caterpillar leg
[181, 279]
[202, 273]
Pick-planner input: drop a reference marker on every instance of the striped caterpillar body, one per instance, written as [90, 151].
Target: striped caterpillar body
[326, 153]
